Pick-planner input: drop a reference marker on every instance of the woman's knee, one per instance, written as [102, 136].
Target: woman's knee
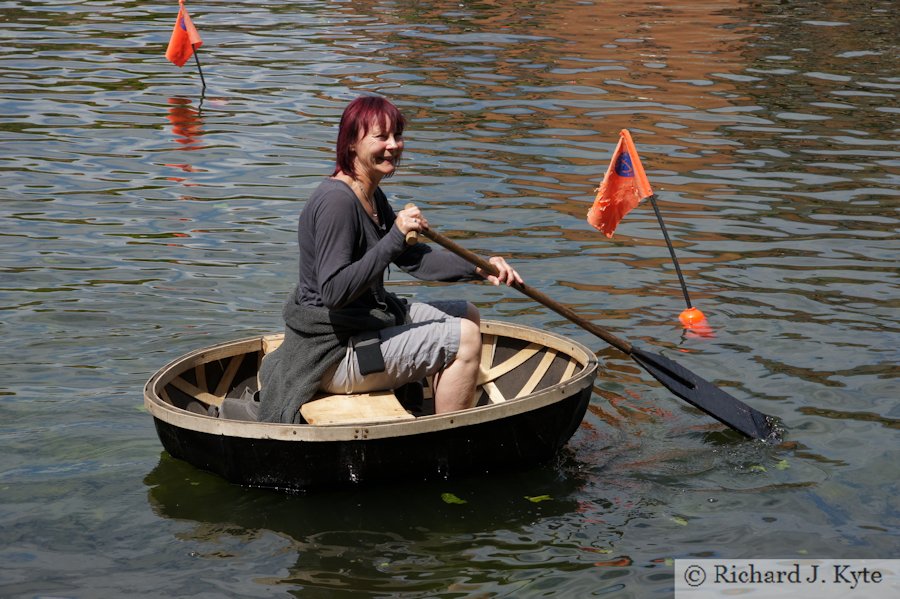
[469, 340]
[472, 313]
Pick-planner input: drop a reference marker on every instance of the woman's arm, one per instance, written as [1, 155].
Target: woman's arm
[345, 266]
[441, 265]
[427, 263]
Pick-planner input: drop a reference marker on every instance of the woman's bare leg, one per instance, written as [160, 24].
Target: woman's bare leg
[455, 385]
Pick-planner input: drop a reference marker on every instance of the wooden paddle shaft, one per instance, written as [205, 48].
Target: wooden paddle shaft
[412, 238]
[531, 292]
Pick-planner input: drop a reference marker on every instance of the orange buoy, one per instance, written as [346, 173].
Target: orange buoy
[691, 317]
[695, 323]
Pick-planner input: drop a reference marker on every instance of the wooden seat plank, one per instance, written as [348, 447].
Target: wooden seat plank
[271, 342]
[359, 408]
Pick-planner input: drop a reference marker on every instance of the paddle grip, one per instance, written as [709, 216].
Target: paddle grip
[412, 238]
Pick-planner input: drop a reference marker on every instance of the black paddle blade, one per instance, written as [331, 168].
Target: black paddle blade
[706, 396]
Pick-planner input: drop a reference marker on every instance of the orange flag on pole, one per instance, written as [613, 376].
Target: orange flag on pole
[624, 185]
[185, 38]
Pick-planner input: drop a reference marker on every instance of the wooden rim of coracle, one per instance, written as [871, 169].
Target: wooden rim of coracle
[578, 375]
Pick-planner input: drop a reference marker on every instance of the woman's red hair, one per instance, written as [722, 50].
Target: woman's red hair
[359, 116]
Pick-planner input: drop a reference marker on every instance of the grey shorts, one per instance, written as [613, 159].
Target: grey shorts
[426, 344]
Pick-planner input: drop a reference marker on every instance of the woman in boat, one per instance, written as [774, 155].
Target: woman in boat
[345, 332]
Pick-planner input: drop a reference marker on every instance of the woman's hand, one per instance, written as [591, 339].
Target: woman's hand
[507, 274]
[411, 219]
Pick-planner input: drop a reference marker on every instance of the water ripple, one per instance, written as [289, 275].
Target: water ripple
[138, 222]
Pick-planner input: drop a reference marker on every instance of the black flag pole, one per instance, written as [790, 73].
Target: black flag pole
[690, 317]
[202, 79]
[662, 225]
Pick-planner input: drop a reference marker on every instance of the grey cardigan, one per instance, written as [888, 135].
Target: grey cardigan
[340, 292]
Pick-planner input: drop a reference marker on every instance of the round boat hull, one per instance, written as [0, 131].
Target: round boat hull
[520, 440]
[514, 433]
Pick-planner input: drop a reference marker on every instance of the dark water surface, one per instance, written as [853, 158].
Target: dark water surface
[137, 225]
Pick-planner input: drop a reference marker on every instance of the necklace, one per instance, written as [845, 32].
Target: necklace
[369, 203]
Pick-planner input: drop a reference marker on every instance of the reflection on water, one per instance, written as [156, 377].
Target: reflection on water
[187, 126]
[141, 221]
[346, 543]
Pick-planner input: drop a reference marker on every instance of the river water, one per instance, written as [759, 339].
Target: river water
[139, 223]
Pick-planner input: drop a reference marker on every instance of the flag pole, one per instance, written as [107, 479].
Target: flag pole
[202, 79]
[662, 225]
[624, 186]
[691, 316]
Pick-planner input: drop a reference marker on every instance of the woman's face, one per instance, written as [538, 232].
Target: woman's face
[377, 152]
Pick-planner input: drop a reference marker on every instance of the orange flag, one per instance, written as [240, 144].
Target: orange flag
[184, 38]
[624, 185]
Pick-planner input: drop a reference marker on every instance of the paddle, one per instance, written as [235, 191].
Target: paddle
[679, 380]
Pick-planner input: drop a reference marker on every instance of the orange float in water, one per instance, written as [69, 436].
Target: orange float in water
[691, 316]
[695, 322]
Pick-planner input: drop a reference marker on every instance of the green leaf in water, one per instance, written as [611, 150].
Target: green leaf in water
[679, 521]
[538, 498]
[451, 498]
[782, 465]
[757, 468]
